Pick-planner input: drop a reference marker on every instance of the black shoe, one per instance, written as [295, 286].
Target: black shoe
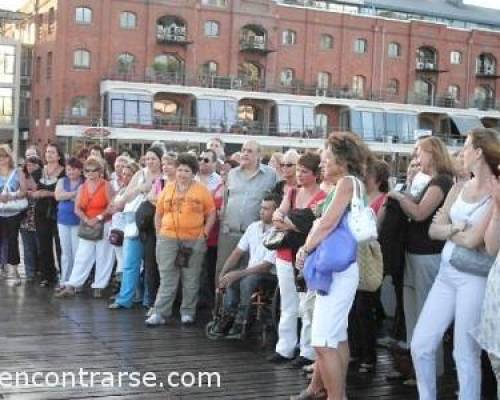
[223, 325]
[236, 332]
[300, 362]
[277, 358]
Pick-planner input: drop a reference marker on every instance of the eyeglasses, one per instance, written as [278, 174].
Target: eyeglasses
[204, 159]
[288, 165]
[88, 170]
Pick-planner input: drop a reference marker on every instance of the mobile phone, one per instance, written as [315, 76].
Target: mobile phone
[399, 187]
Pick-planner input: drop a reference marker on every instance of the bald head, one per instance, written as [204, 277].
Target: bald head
[250, 154]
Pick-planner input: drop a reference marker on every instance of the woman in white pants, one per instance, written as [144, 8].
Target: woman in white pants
[67, 220]
[457, 295]
[92, 205]
[345, 155]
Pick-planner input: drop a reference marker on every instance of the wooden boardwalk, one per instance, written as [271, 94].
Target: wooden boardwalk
[40, 333]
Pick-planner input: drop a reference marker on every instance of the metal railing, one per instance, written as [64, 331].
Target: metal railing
[253, 44]
[426, 64]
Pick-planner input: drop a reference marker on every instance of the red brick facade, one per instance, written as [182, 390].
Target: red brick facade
[105, 40]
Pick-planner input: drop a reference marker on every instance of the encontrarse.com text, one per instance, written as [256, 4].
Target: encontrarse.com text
[90, 379]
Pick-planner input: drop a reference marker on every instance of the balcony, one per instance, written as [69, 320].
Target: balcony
[427, 65]
[486, 72]
[177, 36]
[484, 103]
[254, 44]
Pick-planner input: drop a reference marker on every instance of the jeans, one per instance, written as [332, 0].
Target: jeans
[133, 253]
[30, 247]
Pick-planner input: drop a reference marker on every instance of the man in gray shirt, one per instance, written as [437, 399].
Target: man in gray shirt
[246, 187]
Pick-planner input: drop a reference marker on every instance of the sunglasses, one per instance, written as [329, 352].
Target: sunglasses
[289, 165]
[204, 159]
[88, 170]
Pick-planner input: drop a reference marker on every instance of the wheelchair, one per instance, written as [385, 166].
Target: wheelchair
[262, 317]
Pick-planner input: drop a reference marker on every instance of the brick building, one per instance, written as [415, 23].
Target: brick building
[173, 69]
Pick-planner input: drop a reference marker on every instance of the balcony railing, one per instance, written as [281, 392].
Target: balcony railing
[486, 72]
[427, 65]
[229, 82]
[176, 36]
[255, 45]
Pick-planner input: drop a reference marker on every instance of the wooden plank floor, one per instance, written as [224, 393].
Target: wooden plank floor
[40, 333]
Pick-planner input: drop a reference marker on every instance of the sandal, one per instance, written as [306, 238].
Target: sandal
[306, 395]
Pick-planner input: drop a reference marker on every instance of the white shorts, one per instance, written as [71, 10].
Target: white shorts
[331, 312]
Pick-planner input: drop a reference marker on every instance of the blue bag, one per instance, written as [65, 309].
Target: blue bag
[335, 254]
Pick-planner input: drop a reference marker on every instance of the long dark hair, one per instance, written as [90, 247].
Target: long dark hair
[62, 159]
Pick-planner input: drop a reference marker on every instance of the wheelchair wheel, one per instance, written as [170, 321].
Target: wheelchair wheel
[276, 309]
[208, 330]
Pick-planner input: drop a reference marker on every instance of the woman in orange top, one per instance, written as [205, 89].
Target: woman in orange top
[185, 214]
[92, 205]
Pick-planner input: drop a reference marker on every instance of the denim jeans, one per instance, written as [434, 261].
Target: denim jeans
[133, 253]
[30, 247]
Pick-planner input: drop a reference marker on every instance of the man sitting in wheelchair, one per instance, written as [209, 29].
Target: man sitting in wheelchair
[240, 284]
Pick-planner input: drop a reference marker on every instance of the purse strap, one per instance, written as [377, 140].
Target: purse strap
[90, 197]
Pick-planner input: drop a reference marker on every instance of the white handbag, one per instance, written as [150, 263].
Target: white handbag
[361, 220]
[15, 206]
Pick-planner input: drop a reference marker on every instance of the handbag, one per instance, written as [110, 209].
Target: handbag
[274, 240]
[471, 261]
[116, 237]
[14, 206]
[362, 220]
[89, 232]
[371, 266]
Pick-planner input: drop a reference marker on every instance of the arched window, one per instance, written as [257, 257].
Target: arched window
[170, 28]
[393, 87]
[128, 20]
[209, 68]
[126, 62]
[79, 106]
[360, 46]
[326, 42]
[253, 37]
[394, 50]
[81, 59]
[211, 28]
[83, 15]
[321, 124]
[484, 97]
[289, 37]
[454, 92]
[424, 91]
[323, 80]
[287, 77]
[250, 72]
[426, 58]
[456, 57]
[486, 64]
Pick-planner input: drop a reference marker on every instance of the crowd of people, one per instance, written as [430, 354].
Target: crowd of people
[198, 223]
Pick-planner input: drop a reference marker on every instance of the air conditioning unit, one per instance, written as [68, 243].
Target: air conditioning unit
[420, 65]
[430, 66]
[489, 70]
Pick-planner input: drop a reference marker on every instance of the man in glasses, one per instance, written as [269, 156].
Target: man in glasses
[207, 174]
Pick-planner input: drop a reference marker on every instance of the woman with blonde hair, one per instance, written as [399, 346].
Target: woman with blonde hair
[12, 188]
[458, 291]
[92, 206]
[423, 254]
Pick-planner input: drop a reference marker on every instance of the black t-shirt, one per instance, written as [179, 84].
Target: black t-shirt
[419, 241]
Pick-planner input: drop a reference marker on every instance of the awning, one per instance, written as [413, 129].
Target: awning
[465, 123]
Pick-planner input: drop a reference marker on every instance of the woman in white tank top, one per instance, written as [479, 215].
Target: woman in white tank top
[456, 295]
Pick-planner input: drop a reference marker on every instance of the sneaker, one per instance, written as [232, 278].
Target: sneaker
[155, 320]
[44, 283]
[187, 319]
[223, 325]
[116, 306]
[277, 358]
[236, 332]
[67, 292]
[150, 312]
[300, 362]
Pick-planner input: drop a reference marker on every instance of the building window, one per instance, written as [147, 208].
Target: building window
[128, 20]
[38, 68]
[393, 87]
[211, 28]
[486, 64]
[287, 77]
[48, 72]
[51, 20]
[126, 63]
[358, 85]
[289, 38]
[360, 46]
[36, 111]
[79, 106]
[321, 124]
[7, 63]
[394, 50]
[81, 59]
[40, 26]
[323, 80]
[48, 105]
[6, 109]
[209, 68]
[454, 92]
[456, 57]
[214, 3]
[326, 42]
[83, 15]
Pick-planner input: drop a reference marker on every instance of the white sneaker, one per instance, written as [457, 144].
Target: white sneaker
[13, 277]
[155, 320]
[187, 319]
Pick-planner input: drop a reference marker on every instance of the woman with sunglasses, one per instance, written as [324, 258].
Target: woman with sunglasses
[288, 167]
[92, 206]
[46, 214]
